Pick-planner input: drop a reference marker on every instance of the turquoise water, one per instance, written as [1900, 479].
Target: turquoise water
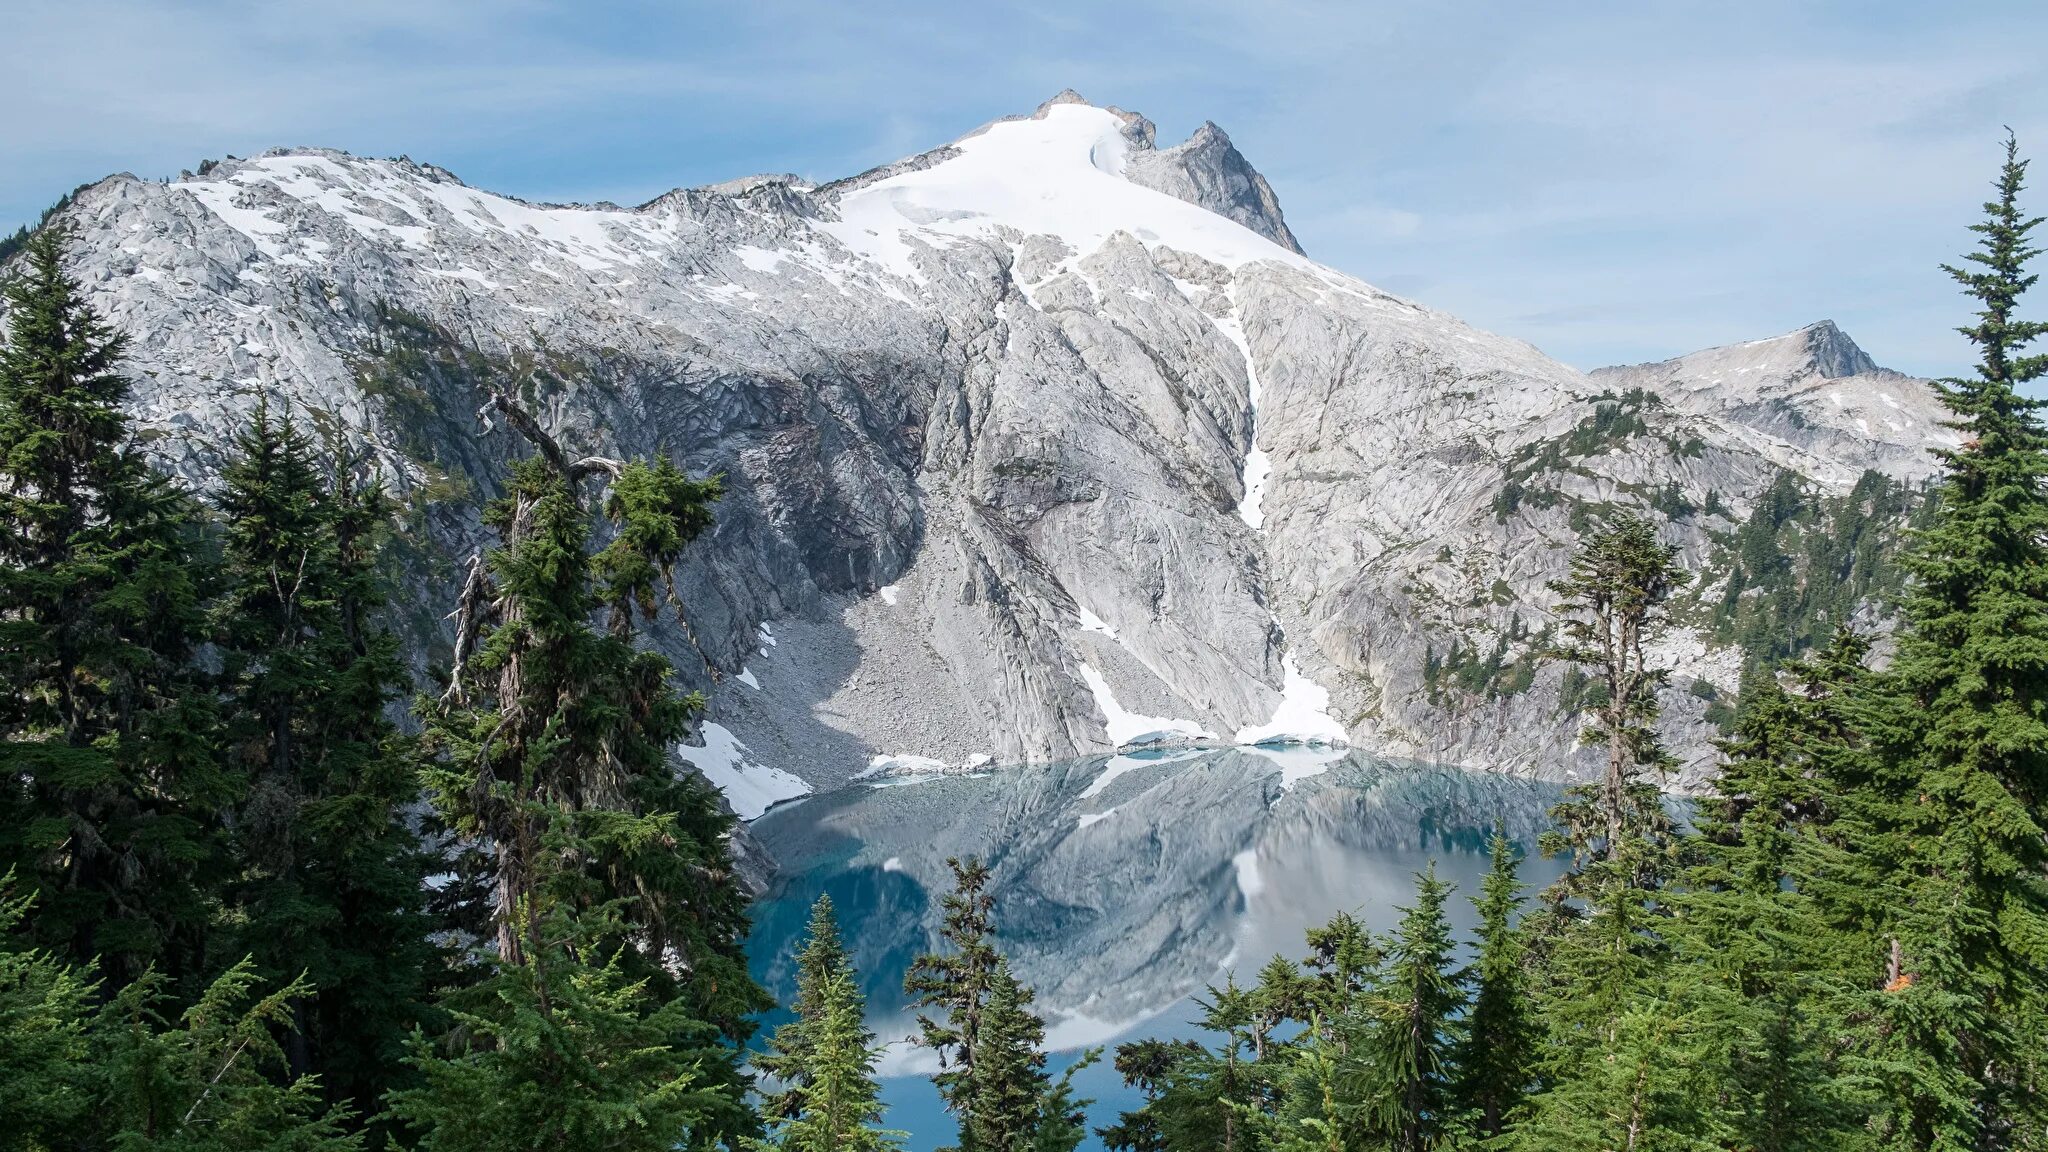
[1124, 886]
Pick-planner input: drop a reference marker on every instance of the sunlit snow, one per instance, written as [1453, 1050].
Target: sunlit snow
[1058, 174]
[749, 787]
[1126, 728]
[1303, 716]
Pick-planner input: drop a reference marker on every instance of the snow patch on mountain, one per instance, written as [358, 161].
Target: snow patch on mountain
[1057, 174]
[749, 787]
[1126, 728]
[1303, 716]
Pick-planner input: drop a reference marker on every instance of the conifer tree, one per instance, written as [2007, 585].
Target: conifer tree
[789, 1057]
[1149, 1066]
[1946, 809]
[1641, 1093]
[823, 1062]
[957, 983]
[1224, 1098]
[991, 1073]
[331, 874]
[1496, 1057]
[46, 1087]
[1343, 961]
[842, 1106]
[565, 1052]
[108, 784]
[616, 1000]
[1596, 934]
[1319, 1113]
[213, 1080]
[1412, 1026]
[1613, 599]
[1010, 1082]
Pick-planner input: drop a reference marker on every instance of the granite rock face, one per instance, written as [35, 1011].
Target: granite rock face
[1209, 171]
[1037, 445]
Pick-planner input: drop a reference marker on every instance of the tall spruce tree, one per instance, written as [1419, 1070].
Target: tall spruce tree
[1945, 811]
[617, 998]
[1413, 1025]
[330, 881]
[841, 1107]
[1005, 1110]
[1496, 1057]
[1753, 965]
[109, 789]
[956, 983]
[825, 1098]
[991, 1072]
[1613, 601]
[788, 1058]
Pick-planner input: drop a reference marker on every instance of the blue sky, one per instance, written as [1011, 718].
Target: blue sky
[1610, 181]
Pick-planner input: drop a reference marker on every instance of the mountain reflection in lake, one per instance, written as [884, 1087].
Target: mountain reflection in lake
[1124, 885]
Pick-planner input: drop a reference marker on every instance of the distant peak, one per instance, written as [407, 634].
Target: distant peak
[1064, 96]
[1834, 354]
[1819, 349]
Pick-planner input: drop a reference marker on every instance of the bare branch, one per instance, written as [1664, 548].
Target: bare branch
[469, 613]
[592, 465]
[527, 426]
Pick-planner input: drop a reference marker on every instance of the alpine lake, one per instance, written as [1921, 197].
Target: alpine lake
[1124, 886]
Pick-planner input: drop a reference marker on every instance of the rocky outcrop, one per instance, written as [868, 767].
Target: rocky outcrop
[1038, 444]
[1209, 171]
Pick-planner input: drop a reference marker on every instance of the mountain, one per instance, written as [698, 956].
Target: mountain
[1813, 388]
[1040, 443]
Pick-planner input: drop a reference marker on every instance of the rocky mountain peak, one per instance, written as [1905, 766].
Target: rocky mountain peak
[1207, 169]
[1834, 355]
[1820, 350]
